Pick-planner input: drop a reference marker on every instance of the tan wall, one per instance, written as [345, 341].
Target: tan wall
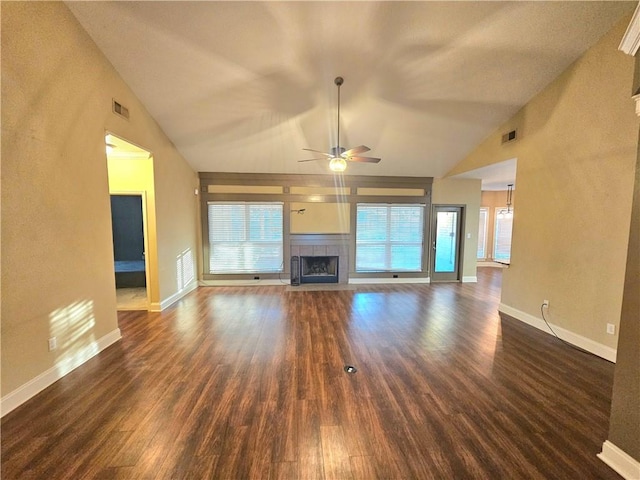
[327, 218]
[177, 217]
[494, 201]
[576, 157]
[462, 192]
[57, 252]
[624, 429]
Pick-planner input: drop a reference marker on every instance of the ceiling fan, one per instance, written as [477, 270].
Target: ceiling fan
[339, 156]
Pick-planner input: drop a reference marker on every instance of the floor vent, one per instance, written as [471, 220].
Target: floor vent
[120, 110]
[510, 136]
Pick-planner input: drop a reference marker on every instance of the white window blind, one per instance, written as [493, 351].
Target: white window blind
[245, 237]
[482, 233]
[389, 238]
[502, 237]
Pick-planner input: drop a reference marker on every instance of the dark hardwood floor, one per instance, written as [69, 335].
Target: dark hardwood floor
[248, 382]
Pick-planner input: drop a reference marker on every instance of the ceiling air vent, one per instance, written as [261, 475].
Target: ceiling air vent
[120, 110]
[510, 136]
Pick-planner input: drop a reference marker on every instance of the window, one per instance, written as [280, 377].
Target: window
[245, 237]
[482, 233]
[389, 238]
[502, 237]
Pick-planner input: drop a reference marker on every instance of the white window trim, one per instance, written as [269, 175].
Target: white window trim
[482, 239]
[498, 211]
[248, 243]
[388, 244]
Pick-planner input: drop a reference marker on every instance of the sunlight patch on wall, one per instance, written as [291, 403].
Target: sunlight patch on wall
[73, 328]
[185, 271]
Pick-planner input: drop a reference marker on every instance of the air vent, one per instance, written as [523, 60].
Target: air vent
[510, 136]
[120, 110]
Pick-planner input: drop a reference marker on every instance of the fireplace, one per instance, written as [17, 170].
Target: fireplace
[320, 245]
[319, 269]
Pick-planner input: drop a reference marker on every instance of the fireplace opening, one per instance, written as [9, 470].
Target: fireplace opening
[319, 269]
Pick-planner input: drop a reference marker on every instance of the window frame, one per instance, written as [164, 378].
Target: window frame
[483, 233]
[497, 218]
[248, 242]
[390, 243]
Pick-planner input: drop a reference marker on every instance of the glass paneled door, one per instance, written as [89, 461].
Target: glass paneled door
[445, 258]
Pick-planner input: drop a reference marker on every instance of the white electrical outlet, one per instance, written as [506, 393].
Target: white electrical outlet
[53, 343]
[611, 329]
[545, 303]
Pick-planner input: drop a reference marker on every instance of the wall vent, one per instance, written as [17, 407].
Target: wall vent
[510, 136]
[120, 110]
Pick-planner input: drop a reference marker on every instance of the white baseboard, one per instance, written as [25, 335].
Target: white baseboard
[167, 302]
[370, 281]
[585, 343]
[470, 279]
[244, 283]
[34, 386]
[620, 461]
[352, 281]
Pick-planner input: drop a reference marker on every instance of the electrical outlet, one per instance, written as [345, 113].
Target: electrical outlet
[611, 329]
[53, 343]
[545, 303]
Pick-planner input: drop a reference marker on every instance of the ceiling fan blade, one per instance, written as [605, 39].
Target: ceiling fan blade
[364, 159]
[355, 151]
[311, 159]
[328, 155]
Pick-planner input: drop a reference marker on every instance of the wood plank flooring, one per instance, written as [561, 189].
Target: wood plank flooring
[248, 383]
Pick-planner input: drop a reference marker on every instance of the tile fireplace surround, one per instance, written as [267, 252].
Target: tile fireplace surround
[323, 245]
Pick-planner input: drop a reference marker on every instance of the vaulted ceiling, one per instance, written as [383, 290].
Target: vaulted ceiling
[245, 86]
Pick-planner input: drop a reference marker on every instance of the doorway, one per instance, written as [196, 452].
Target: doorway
[446, 243]
[127, 220]
[130, 170]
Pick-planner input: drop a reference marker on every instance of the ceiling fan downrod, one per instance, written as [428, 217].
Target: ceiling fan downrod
[339, 156]
[338, 81]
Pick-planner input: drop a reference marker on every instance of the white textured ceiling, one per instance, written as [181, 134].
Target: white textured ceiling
[496, 176]
[244, 86]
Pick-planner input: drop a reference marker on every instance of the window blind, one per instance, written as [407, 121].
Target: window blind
[482, 233]
[502, 238]
[389, 237]
[245, 237]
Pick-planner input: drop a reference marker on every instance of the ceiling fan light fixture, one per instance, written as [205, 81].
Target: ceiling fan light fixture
[339, 156]
[338, 164]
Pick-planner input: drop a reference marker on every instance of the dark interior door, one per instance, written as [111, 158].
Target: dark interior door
[128, 241]
[128, 230]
